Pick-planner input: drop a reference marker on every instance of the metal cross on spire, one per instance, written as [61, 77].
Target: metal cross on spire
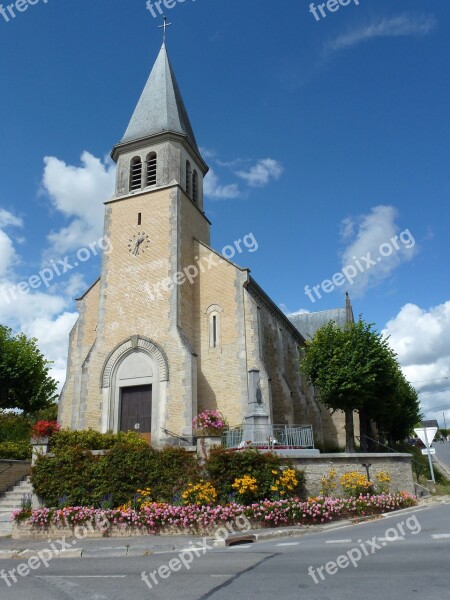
[164, 26]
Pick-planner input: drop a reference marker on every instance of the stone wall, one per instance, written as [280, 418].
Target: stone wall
[12, 471]
[316, 467]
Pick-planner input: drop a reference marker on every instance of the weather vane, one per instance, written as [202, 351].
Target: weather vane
[164, 26]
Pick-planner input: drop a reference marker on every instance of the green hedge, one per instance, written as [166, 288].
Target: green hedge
[89, 439]
[14, 428]
[76, 478]
[15, 450]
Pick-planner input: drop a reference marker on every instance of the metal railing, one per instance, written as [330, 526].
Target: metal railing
[269, 436]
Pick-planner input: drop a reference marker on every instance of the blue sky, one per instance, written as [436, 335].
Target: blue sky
[326, 139]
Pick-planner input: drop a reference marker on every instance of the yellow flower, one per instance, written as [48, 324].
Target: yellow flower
[200, 493]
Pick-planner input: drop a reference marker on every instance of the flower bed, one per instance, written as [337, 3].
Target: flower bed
[157, 518]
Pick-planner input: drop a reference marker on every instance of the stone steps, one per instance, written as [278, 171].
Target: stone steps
[11, 501]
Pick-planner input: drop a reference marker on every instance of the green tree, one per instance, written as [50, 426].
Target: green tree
[25, 382]
[397, 410]
[351, 369]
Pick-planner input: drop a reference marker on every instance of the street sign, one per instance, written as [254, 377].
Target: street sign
[429, 451]
[426, 434]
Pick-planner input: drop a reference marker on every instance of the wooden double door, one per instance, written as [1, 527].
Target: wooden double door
[136, 410]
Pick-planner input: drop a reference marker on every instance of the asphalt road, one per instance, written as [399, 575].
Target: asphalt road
[403, 556]
[443, 452]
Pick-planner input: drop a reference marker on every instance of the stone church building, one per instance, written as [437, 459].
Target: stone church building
[171, 327]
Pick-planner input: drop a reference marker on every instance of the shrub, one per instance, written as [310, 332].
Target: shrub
[20, 450]
[67, 479]
[75, 477]
[14, 428]
[224, 467]
[89, 439]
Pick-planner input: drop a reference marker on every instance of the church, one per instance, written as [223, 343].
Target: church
[153, 346]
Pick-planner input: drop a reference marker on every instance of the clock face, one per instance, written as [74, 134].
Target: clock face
[138, 243]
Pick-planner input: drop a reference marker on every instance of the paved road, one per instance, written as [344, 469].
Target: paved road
[443, 452]
[403, 556]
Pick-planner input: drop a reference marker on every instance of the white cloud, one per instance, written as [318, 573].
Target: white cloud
[371, 236]
[421, 338]
[7, 219]
[262, 172]
[8, 255]
[47, 314]
[213, 189]
[41, 315]
[53, 337]
[78, 193]
[399, 26]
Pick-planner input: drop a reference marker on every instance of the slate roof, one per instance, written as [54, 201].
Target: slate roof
[308, 323]
[160, 107]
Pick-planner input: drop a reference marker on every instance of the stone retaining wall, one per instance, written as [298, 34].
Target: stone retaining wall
[12, 471]
[398, 465]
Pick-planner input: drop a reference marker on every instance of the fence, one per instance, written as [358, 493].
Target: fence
[269, 436]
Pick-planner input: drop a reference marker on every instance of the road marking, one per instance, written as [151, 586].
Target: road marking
[240, 546]
[338, 541]
[386, 539]
[80, 576]
[288, 544]
[441, 536]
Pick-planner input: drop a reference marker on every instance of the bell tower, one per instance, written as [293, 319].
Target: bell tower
[159, 147]
[139, 367]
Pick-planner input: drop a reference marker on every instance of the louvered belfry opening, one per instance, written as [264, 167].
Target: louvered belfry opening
[151, 168]
[136, 174]
[195, 187]
[188, 178]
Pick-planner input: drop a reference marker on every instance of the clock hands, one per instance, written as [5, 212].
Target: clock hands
[137, 244]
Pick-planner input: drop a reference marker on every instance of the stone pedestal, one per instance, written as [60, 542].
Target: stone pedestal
[205, 443]
[40, 448]
[257, 421]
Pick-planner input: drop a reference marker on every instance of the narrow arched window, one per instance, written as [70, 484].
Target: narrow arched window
[136, 174]
[195, 186]
[151, 169]
[188, 178]
[214, 318]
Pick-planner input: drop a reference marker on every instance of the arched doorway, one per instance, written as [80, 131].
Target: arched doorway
[134, 383]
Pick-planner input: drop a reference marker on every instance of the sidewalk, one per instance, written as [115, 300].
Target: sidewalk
[160, 544]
